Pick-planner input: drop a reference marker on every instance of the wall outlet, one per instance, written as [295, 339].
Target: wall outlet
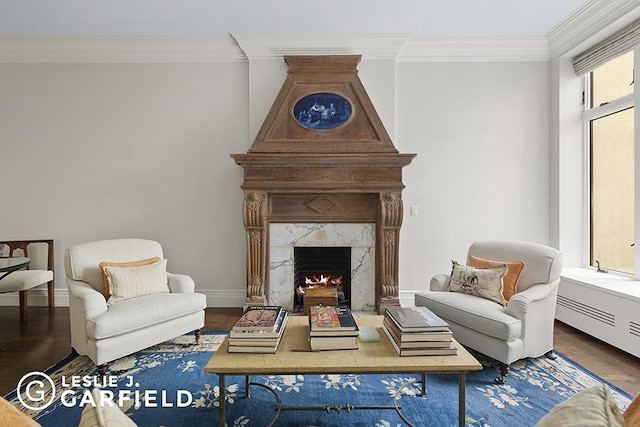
[413, 211]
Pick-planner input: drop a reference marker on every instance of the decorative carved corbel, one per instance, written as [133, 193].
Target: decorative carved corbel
[255, 225]
[389, 223]
[254, 208]
[391, 209]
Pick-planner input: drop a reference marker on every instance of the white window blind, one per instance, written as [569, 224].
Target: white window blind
[623, 41]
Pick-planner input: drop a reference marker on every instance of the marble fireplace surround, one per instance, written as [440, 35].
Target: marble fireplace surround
[361, 238]
[308, 187]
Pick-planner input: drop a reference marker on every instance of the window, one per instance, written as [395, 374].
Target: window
[609, 121]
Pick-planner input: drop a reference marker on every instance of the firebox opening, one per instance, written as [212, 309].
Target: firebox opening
[322, 267]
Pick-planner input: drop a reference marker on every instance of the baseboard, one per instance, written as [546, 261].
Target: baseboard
[407, 298]
[38, 298]
[225, 298]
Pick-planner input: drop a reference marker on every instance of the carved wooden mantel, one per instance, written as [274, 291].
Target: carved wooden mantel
[350, 174]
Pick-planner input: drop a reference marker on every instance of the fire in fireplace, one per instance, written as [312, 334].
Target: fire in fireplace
[322, 267]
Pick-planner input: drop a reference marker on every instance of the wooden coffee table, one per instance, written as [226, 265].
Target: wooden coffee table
[295, 357]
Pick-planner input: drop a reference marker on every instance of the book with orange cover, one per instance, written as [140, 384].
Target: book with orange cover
[331, 318]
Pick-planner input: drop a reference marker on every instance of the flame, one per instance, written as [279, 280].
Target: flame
[325, 281]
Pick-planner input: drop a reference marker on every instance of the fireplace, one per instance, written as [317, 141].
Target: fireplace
[322, 267]
[304, 184]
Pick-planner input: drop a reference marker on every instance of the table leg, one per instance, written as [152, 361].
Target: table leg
[424, 385]
[462, 389]
[247, 393]
[221, 400]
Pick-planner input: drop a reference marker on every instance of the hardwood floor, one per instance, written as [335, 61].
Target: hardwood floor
[45, 339]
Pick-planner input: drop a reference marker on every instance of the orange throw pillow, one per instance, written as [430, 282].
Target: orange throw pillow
[632, 413]
[12, 416]
[105, 281]
[510, 280]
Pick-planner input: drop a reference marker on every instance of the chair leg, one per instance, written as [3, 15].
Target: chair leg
[102, 369]
[504, 371]
[23, 306]
[196, 333]
[549, 355]
[50, 294]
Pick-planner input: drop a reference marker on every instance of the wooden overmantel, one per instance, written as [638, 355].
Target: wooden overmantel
[349, 174]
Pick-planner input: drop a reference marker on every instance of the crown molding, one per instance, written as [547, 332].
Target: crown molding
[263, 46]
[587, 21]
[269, 45]
[119, 49]
[474, 49]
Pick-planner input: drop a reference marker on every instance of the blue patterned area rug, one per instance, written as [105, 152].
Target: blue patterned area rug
[166, 386]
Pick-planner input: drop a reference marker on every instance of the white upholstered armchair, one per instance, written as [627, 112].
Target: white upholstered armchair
[523, 327]
[139, 305]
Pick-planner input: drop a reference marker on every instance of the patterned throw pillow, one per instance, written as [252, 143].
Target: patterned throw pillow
[511, 279]
[481, 282]
[131, 282]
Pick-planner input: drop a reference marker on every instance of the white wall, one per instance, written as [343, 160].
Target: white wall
[108, 150]
[98, 151]
[482, 171]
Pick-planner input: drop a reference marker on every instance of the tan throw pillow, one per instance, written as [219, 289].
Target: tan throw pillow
[593, 407]
[131, 282]
[105, 282]
[510, 281]
[104, 414]
[481, 282]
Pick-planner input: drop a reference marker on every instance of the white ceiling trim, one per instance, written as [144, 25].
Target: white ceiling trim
[263, 46]
[269, 45]
[119, 49]
[475, 49]
[586, 22]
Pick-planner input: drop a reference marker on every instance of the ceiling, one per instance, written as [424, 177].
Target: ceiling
[485, 18]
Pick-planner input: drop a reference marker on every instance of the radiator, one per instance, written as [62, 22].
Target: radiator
[610, 317]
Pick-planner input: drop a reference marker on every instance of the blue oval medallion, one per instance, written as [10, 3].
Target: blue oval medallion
[322, 111]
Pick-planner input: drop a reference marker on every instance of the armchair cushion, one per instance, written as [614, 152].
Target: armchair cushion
[105, 280]
[478, 314]
[140, 313]
[131, 282]
[481, 282]
[510, 280]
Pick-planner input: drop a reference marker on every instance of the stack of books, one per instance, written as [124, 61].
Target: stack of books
[259, 330]
[416, 331]
[332, 328]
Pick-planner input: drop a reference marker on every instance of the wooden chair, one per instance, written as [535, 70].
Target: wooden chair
[23, 280]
